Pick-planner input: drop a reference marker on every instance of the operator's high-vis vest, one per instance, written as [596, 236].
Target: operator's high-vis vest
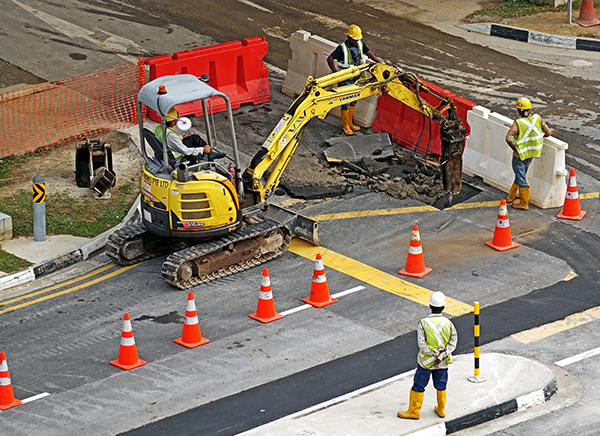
[158, 134]
[530, 140]
[348, 61]
[437, 330]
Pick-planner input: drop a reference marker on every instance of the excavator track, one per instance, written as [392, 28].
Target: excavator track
[250, 246]
[130, 233]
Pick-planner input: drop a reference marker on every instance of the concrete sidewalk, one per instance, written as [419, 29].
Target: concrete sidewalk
[512, 383]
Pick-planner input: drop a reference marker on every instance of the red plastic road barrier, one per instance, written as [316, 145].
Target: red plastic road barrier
[404, 124]
[235, 68]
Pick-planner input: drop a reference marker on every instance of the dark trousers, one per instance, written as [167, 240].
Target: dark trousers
[440, 378]
[193, 141]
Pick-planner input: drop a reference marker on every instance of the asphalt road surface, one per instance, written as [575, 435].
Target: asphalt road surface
[60, 340]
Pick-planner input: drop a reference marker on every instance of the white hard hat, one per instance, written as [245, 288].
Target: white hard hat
[437, 299]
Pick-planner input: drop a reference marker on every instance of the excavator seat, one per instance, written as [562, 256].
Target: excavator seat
[157, 148]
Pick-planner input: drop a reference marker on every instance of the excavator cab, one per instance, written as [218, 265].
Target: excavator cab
[179, 200]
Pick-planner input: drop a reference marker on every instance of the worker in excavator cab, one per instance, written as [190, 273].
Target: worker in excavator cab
[350, 53]
[526, 139]
[191, 148]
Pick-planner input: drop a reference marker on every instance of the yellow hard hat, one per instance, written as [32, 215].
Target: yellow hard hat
[172, 114]
[354, 32]
[523, 104]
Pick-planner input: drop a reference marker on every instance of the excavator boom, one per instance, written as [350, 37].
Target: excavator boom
[319, 98]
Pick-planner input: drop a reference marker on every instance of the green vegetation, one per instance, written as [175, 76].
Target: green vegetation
[85, 217]
[7, 165]
[520, 8]
[10, 263]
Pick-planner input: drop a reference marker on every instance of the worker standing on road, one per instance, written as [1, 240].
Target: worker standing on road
[526, 139]
[437, 339]
[352, 52]
[191, 148]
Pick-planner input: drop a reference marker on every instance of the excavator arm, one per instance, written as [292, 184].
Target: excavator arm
[319, 98]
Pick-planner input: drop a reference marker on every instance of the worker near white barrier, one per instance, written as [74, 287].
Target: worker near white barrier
[437, 339]
[190, 148]
[526, 139]
[352, 52]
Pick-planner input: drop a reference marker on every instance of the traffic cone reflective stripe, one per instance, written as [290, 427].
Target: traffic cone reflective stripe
[128, 356]
[587, 16]
[502, 240]
[572, 209]
[319, 290]
[415, 263]
[265, 310]
[191, 336]
[7, 397]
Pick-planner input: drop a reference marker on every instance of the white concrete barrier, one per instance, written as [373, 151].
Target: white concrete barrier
[6, 227]
[309, 58]
[487, 155]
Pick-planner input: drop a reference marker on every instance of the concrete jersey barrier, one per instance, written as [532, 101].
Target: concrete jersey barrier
[487, 155]
[309, 58]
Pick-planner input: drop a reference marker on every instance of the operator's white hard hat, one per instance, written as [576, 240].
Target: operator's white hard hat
[437, 299]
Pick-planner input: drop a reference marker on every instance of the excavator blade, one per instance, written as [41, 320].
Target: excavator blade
[299, 225]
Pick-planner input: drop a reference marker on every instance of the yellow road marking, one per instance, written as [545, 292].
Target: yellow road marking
[374, 277]
[417, 209]
[562, 325]
[378, 212]
[475, 205]
[60, 285]
[66, 291]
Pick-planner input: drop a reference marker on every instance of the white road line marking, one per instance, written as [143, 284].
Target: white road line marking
[307, 306]
[578, 357]
[254, 5]
[35, 397]
[349, 291]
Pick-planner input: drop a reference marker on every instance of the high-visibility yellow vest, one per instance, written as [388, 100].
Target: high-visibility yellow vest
[158, 134]
[348, 62]
[530, 140]
[438, 331]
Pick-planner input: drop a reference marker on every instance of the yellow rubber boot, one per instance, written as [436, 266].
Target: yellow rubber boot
[523, 203]
[346, 122]
[351, 118]
[441, 404]
[414, 406]
[512, 194]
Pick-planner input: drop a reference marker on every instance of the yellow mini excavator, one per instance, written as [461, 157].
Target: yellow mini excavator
[214, 221]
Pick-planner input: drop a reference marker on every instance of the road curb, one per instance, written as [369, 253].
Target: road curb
[67, 259]
[538, 38]
[523, 402]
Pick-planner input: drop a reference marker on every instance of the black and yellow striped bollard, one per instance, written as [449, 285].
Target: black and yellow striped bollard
[476, 378]
[39, 209]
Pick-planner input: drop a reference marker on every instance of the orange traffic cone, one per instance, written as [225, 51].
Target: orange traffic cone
[415, 264]
[571, 209]
[7, 397]
[502, 240]
[128, 356]
[319, 291]
[587, 17]
[265, 311]
[191, 336]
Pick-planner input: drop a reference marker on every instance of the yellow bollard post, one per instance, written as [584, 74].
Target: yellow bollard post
[476, 378]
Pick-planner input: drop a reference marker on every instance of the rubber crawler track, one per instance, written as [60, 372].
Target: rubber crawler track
[127, 233]
[175, 260]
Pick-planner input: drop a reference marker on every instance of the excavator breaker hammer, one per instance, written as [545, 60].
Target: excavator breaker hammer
[452, 135]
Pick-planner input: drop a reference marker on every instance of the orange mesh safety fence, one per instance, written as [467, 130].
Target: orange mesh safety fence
[36, 117]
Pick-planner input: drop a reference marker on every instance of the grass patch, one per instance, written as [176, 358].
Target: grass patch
[521, 8]
[85, 217]
[9, 263]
